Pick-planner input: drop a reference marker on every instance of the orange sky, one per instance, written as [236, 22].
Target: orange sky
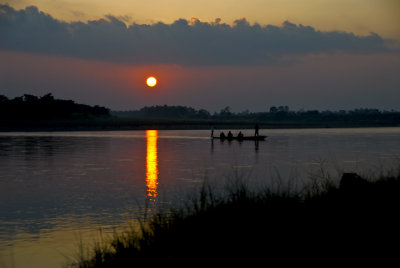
[359, 16]
[318, 82]
[296, 65]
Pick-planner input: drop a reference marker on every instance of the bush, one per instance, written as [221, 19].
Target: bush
[355, 221]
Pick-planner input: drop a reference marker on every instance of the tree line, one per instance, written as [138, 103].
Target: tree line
[28, 107]
[164, 111]
[275, 113]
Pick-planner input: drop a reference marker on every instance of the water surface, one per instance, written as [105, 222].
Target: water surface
[59, 187]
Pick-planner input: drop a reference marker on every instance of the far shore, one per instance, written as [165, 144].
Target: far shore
[116, 124]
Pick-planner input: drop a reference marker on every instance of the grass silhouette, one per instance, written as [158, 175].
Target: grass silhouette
[353, 222]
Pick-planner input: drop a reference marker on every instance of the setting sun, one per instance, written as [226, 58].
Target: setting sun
[151, 81]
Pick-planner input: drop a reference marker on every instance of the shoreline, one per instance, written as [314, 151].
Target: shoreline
[245, 226]
[121, 124]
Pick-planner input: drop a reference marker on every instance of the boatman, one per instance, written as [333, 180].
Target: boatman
[256, 127]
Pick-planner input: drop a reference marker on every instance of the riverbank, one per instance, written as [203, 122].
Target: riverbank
[109, 124]
[353, 222]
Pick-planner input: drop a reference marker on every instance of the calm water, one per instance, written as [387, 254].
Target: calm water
[57, 188]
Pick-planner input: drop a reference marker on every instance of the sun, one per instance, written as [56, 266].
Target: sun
[151, 81]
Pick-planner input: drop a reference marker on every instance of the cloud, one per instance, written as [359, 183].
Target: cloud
[183, 42]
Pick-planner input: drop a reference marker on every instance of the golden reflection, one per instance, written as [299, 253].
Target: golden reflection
[151, 164]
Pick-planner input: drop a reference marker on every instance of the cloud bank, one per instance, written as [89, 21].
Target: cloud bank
[182, 42]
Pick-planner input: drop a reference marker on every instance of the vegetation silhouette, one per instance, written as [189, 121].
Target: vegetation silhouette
[355, 222]
[29, 113]
[29, 107]
[280, 113]
[164, 111]
[275, 116]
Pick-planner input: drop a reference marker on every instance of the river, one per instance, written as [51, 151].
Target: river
[60, 188]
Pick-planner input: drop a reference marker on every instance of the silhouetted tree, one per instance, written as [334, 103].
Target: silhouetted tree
[225, 112]
[29, 107]
[276, 113]
[273, 109]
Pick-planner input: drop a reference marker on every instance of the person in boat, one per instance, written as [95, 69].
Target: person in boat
[212, 131]
[230, 135]
[256, 128]
[240, 135]
[222, 135]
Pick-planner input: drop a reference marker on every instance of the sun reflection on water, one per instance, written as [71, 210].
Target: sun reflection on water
[151, 164]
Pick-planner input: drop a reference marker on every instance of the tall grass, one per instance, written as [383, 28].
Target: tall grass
[323, 224]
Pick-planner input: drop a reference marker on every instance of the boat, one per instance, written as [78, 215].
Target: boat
[249, 138]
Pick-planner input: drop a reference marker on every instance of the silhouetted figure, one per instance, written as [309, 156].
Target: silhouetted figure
[240, 135]
[212, 131]
[230, 135]
[222, 135]
[256, 128]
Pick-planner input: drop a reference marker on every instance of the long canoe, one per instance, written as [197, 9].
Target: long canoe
[251, 138]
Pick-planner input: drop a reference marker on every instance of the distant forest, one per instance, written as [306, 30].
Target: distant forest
[46, 112]
[29, 107]
[274, 114]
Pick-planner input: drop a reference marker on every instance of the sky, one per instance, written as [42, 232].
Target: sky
[311, 54]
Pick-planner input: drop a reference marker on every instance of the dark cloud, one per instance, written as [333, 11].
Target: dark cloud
[182, 42]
